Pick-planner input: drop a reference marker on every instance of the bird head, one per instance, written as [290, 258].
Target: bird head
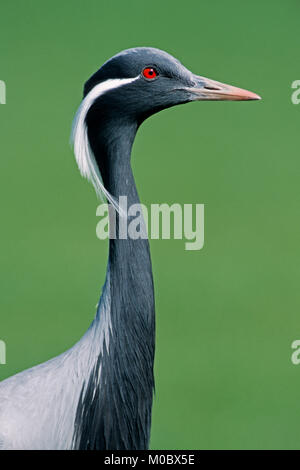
[127, 89]
[146, 80]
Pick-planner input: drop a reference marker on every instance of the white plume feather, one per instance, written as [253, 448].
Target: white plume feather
[84, 155]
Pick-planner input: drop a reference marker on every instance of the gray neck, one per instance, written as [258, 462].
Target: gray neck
[120, 410]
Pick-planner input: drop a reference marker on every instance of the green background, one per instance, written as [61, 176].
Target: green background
[226, 315]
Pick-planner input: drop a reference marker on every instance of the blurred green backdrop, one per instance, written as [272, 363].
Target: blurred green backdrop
[226, 315]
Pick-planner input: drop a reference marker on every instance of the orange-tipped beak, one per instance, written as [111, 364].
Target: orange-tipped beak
[207, 89]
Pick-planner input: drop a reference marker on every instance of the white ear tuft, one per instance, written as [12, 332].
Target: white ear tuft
[79, 138]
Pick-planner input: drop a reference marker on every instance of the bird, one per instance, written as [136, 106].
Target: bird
[98, 395]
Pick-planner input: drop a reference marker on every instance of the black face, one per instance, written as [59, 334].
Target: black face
[161, 81]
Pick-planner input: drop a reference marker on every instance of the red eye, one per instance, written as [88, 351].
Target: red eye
[150, 73]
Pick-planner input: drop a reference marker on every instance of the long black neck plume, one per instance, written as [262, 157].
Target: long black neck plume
[116, 413]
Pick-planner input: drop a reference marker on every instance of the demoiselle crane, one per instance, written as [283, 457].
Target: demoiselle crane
[98, 394]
